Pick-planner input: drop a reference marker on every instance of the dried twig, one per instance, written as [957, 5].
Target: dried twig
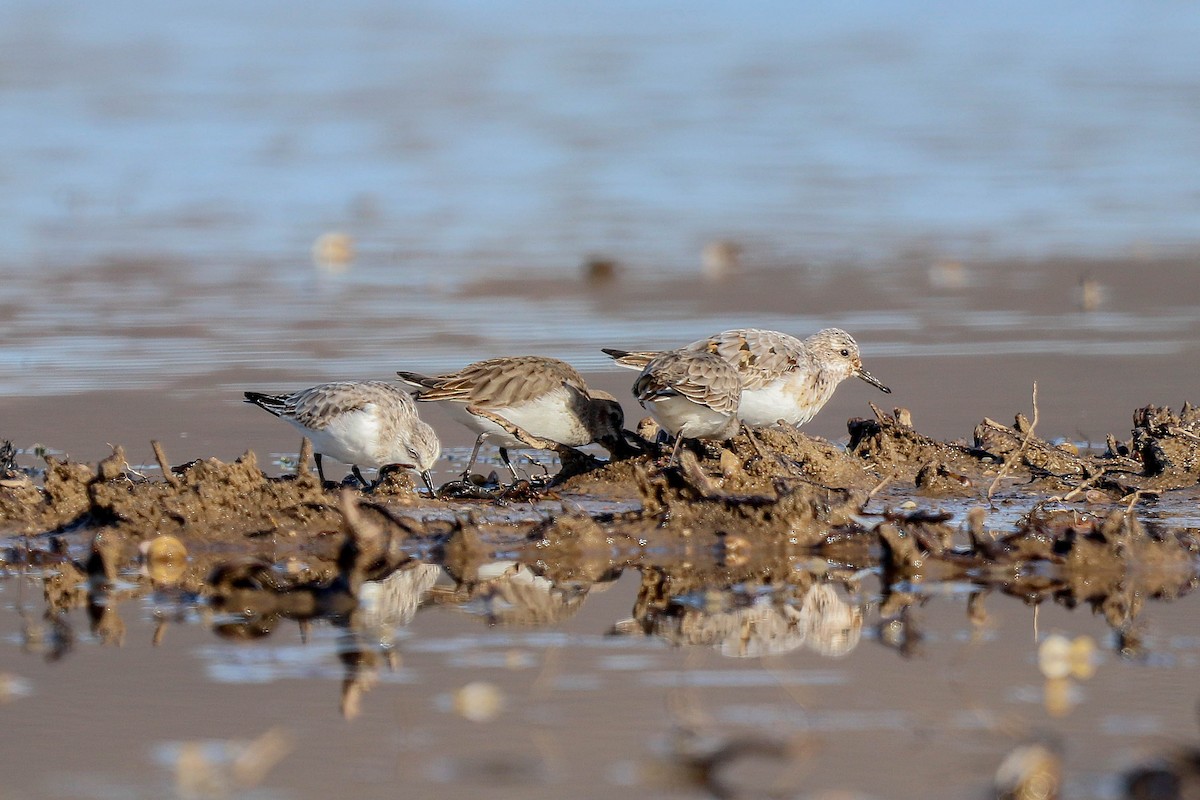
[1135, 496]
[879, 486]
[163, 464]
[1081, 488]
[1016, 454]
[1177, 431]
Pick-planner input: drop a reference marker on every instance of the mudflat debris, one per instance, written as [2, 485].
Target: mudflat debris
[762, 483]
[749, 511]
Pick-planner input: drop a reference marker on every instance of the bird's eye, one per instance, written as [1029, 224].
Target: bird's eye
[845, 352]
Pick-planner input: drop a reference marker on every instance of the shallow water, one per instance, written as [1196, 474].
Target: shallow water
[985, 197]
[168, 174]
[513, 684]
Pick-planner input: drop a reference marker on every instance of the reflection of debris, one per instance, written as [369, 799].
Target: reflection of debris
[165, 559]
[1060, 657]
[333, 251]
[1030, 772]
[742, 620]
[479, 701]
[12, 687]
[600, 270]
[1174, 775]
[1091, 294]
[947, 275]
[361, 656]
[898, 628]
[218, 769]
[1060, 696]
[742, 766]
[720, 259]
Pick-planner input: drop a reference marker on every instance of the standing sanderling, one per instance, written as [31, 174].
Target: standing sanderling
[692, 394]
[784, 379]
[544, 397]
[368, 423]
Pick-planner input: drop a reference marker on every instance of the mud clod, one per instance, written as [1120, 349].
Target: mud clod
[766, 494]
[8, 461]
[1168, 444]
[893, 446]
[938, 480]
[1039, 457]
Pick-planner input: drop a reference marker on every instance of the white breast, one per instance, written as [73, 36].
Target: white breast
[549, 417]
[770, 404]
[682, 417]
[795, 399]
[552, 416]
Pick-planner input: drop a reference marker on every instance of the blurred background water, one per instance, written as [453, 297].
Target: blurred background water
[985, 194]
[167, 171]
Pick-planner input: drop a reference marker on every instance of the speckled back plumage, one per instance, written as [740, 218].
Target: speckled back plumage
[398, 435]
[784, 379]
[701, 377]
[499, 382]
[760, 356]
[316, 406]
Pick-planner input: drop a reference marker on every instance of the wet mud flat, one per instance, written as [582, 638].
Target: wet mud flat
[894, 499]
[745, 550]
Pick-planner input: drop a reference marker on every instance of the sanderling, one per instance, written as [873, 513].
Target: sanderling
[544, 397]
[692, 394]
[784, 379]
[368, 423]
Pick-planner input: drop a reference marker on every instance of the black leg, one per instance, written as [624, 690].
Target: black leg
[320, 472]
[359, 475]
[507, 463]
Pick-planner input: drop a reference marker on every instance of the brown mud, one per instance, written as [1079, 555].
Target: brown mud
[746, 513]
[749, 549]
[763, 483]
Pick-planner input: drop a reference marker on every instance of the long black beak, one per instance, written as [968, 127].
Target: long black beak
[428, 483]
[871, 379]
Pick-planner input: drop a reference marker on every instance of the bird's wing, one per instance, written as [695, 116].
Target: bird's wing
[503, 382]
[701, 378]
[760, 356]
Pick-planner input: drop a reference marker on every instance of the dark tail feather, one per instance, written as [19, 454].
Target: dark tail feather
[646, 388]
[631, 359]
[268, 402]
[417, 379]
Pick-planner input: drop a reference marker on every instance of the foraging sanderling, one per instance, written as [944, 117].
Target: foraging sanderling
[360, 423]
[784, 379]
[692, 394]
[544, 397]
